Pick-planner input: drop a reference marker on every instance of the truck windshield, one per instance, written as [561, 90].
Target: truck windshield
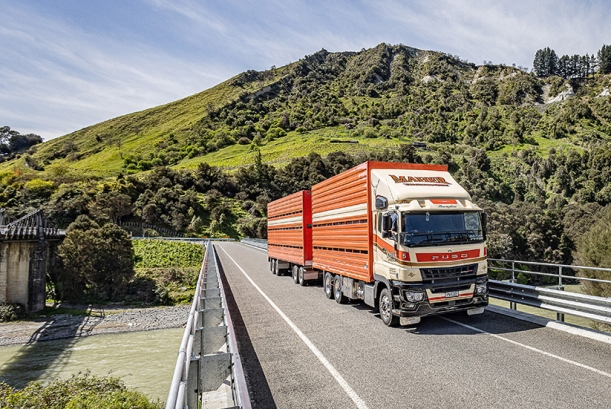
[430, 229]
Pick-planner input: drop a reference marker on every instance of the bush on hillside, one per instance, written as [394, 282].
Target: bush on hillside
[82, 391]
[98, 261]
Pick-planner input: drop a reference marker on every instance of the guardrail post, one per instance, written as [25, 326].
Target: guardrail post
[193, 386]
[512, 304]
[559, 315]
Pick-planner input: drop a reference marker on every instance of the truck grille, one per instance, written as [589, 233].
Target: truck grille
[458, 272]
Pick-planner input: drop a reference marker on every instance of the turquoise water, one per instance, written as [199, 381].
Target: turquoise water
[143, 360]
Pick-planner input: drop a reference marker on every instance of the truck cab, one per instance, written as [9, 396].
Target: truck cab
[429, 245]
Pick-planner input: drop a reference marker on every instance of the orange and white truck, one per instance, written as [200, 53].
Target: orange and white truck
[404, 238]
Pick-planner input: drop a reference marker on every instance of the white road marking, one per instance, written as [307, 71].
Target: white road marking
[589, 368]
[355, 398]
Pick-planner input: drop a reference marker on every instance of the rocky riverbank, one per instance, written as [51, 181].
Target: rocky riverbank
[98, 321]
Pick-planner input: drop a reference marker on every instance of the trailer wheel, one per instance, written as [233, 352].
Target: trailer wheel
[271, 264]
[276, 269]
[327, 285]
[386, 306]
[279, 271]
[302, 280]
[339, 296]
[296, 274]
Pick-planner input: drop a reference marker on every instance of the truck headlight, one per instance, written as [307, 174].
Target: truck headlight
[481, 288]
[413, 296]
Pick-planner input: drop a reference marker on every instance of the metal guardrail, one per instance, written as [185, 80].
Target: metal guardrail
[208, 372]
[558, 300]
[260, 243]
[198, 240]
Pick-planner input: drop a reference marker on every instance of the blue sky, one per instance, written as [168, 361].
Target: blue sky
[67, 64]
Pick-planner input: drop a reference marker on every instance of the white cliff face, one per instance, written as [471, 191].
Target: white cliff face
[566, 94]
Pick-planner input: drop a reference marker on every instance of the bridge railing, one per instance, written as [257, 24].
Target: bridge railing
[208, 369]
[558, 300]
[199, 240]
[260, 243]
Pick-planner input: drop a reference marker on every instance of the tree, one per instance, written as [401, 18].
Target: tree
[594, 250]
[604, 59]
[12, 141]
[98, 261]
[545, 62]
[112, 205]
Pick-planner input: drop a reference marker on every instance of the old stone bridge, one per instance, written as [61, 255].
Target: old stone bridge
[28, 246]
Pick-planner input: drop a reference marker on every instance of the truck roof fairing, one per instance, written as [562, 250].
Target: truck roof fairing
[405, 185]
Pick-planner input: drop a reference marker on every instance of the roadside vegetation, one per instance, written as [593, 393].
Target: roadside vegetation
[165, 272]
[81, 391]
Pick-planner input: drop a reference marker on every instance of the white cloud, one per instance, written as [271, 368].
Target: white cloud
[60, 74]
[58, 79]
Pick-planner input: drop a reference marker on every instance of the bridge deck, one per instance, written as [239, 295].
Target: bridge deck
[454, 361]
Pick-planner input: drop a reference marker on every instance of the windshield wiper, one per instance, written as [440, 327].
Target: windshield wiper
[452, 239]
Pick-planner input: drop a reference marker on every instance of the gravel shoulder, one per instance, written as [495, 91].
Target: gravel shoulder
[105, 320]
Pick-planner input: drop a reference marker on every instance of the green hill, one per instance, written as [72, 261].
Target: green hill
[380, 98]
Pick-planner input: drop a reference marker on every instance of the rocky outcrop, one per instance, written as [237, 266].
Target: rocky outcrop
[605, 93]
[568, 93]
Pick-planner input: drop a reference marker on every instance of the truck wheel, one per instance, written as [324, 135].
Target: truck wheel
[327, 285]
[302, 280]
[296, 274]
[271, 264]
[339, 296]
[386, 306]
[276, 269]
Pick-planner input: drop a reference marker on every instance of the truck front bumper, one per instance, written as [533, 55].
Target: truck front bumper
[468, 297]
[425, 308]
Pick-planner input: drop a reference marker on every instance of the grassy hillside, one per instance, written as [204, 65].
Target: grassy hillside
[98, 150]
[380, 97]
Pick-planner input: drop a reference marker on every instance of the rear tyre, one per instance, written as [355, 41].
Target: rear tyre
[302, 280]
[296, 274]
[327, 285]
[276, 269]
[386, 306]
[339, 296]
[271, 264]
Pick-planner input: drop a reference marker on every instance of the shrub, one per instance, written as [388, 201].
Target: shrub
[38, 188]
[81, 391]
[10, 312]
[98, 261]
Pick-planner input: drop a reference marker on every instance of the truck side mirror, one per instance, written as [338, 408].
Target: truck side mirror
[386, 223]
[381, 202]
[484, 224]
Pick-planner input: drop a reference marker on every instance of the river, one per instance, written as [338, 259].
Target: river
[143, 360]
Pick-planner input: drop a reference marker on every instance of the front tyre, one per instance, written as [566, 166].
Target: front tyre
[386, 306]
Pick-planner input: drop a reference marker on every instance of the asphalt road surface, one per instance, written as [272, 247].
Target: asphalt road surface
[301, 350]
